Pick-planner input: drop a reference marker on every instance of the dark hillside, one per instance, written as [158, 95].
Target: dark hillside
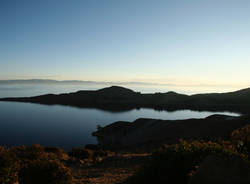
[120, 98]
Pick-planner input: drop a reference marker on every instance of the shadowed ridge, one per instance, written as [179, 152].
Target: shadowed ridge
[242, 91]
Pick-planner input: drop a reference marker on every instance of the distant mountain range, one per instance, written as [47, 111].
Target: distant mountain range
[119, 98]
[49, 81]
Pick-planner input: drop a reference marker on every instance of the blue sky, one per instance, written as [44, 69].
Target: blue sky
[187, 43]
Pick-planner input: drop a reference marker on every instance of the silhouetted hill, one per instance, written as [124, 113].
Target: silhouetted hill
[145, 131]
[116, 90]
[237, 98]
[120, 98]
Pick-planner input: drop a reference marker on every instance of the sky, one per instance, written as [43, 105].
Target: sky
[195, 43]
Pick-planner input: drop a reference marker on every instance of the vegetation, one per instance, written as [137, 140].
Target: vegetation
[89, 154]
[9, 166]
[81, 153]
[34, 164]
[241, 139]
[176, 163]
[45, 171]
[40, 165]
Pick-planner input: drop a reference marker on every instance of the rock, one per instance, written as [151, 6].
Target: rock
[215, 170]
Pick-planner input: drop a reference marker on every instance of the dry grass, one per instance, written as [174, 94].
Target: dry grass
[111, 170]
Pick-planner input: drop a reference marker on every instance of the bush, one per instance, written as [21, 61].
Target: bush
[45, 172]
[81, 153]
[36, 151]
[33, 152]
[33, 165]
[100, 153]
[55, 152]
[9, 166]
[241, 138]
[176, 163]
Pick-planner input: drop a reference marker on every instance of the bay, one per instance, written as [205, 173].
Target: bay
[67, 127]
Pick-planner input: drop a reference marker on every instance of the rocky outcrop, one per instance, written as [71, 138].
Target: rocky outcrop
[215, 170]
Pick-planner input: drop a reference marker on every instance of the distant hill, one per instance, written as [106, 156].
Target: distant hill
[241, 97]
[76, 82]
[120, 98]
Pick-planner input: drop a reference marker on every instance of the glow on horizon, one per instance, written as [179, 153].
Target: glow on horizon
[194, 44]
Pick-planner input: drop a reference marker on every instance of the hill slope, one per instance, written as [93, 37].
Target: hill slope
[119, 98]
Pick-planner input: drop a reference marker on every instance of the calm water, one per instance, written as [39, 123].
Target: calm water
[24, 123]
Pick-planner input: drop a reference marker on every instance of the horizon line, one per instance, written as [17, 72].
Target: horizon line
[37, 80]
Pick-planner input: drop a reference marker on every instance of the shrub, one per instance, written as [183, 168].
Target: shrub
[100, 153]
[175, 163]
[241, 138]
[55, 152]
[45, 172]
[81, 153]
[9, 166]
[34, 164]
[33, 152]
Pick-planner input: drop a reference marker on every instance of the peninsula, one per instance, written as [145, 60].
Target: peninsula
[117, 98]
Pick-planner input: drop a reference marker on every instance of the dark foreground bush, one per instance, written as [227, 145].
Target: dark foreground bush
[241, 138]
[100, 153]
[176, 163]
[37, 152]
[55, 152]
[9, 166]
[33, 152]
[45, 172]
[33, 165]
[81, 153]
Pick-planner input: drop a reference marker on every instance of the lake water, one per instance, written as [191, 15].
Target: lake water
[67, 127]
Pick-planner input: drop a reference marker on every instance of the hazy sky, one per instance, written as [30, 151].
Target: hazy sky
[183, 42]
